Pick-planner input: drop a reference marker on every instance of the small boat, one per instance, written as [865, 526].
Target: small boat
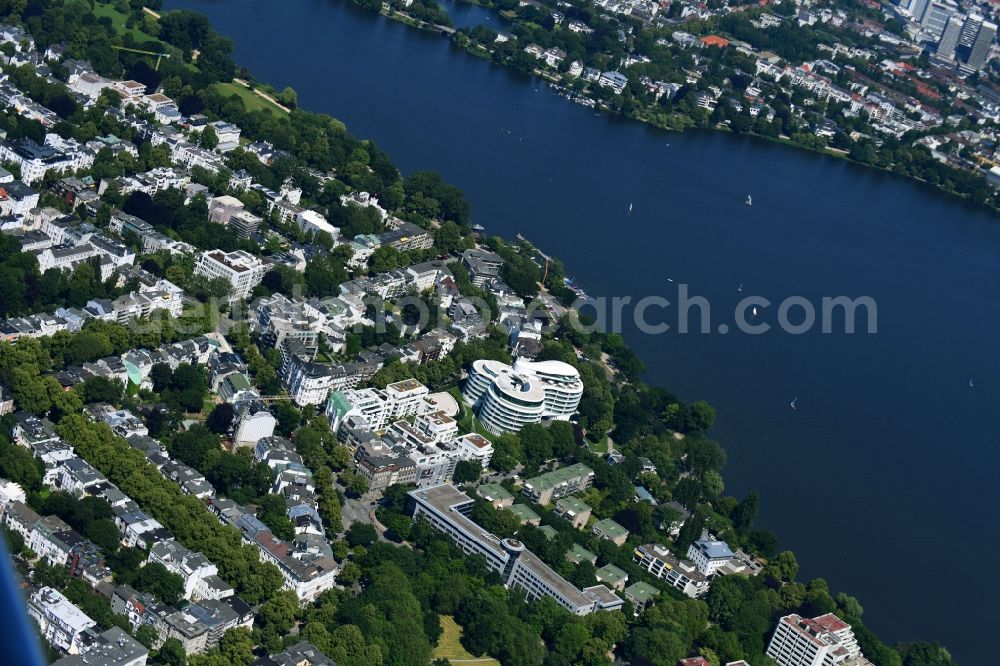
[754, 313]
[478, 227]
[740, 288]
[670, 279]
[630, 207]
[792, 404]
[971, 383]
[749, 200]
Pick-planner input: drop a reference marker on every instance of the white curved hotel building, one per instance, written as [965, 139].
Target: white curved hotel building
[508, 398]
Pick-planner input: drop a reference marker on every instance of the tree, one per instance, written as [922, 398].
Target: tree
[101, 389]
[704, 455]
[691, 530]
[563, 439]
[764, 542]
[849, 609]
[350, 574]
[288, 97]
[160, 375]
[358, 485]
[506, 452]
[220, 419]
[448, 238]
[925, 654]
[160, 582]
[361, 534]
[171, 653]
[208, 139]
[467, 471]
[279, 612]
[104, 533]
[746, 511]
[818, 600]
[701, 415]
[17, 464]
[536, 442]
[146, 635]
[783, 566]
[87, 346]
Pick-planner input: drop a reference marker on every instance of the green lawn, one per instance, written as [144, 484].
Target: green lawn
[118, 21]
[449, 646]
[599, 448]
[467, 421]
[251, 101]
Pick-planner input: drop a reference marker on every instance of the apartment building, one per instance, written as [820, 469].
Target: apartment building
[307, 572]
[709, 555]
[61, 623]
[379, 408]
[820, 641]
[113, 647]
[681, 574]
[573, 510]
[201, 577]
[447, 509]
[34, 160]
[483, 266]
[240, 269]
[546, 488]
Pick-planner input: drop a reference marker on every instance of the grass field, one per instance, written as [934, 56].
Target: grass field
[449, 646]
[600, 447]
[467, 421]
[118, 21]
[251, 101]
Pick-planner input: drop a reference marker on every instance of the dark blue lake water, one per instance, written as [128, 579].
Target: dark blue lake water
[880, 480]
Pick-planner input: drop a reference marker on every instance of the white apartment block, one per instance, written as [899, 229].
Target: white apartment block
[201, 577]
[62, 624]
[221, 208]
[311, 222]
[820, 641]
[227, 133]
[709, 555]
[475, 447]
[308, 574]
[681, 574]
[379, 408]
[253, 423]
[240, 269]
[33, 160]
[436, 426]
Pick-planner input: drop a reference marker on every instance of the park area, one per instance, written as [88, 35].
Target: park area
[450, 646]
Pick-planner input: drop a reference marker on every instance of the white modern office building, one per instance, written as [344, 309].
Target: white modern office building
[560, 383]
[506, 398]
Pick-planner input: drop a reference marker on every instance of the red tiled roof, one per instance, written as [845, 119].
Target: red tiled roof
[831, 622]
[715, 40]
